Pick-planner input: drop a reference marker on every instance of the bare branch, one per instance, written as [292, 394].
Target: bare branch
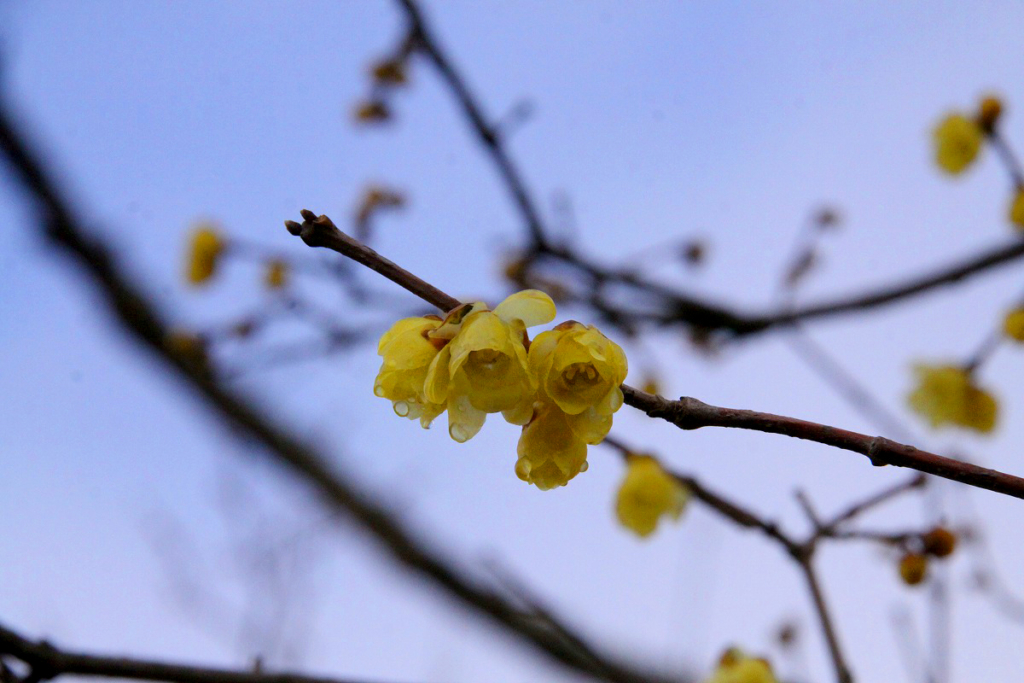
[46, 662]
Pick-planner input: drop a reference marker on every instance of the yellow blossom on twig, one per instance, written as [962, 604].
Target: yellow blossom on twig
[408, 351]
[1013, 325]
[484, 369]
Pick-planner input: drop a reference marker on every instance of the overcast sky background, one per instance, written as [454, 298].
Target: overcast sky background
[132, 522]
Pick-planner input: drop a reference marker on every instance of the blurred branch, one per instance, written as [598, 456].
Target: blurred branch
[46, 662]
[142, 321]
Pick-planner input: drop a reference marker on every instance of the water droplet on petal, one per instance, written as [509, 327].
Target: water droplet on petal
[585, 466]
[378, 390]
[523, 469]
[458, 433]
[401, 408]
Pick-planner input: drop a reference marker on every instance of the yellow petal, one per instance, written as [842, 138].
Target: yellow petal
[435, 387]
[532, 306]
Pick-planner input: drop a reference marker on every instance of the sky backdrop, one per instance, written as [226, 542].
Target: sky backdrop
[132, 522]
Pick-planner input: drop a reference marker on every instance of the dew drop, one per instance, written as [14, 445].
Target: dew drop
[401, 408]
[378, 390]
[458, 432]
[585, 466]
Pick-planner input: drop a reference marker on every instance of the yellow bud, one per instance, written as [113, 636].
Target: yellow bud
[389, 72]
[1013, 325]
[989, 110]
[372, 111]
[957, 142]
[276, 275]
[913, 568]
[735, 666]
[1016, 212]
[939, 542]
[204, 251]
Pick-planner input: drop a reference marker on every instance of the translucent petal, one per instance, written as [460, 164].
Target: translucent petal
[532, 306]
[435, 387]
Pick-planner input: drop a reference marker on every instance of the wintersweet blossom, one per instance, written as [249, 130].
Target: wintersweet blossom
[647, 494]
[484, 368]
[276, 274]
[957, 142]
[408, 351]
[204, 250]
[736, 667]
[947, 395]
[581, 371]
[550, 451]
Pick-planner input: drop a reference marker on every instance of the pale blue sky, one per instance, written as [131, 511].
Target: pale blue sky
[727, 120]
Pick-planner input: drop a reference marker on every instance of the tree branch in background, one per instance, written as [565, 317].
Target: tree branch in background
[46, 662]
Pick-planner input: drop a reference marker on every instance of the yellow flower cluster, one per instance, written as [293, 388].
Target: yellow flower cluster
[737, 667]
[947, 395]
[647, 494]
[562, 388]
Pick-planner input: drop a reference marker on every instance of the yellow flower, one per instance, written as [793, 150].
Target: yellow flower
[946, 394]
[957, 142]
[485, 367]
[1016, 212]
[647, 493]
[737, 667]
[276, 274]
[581, 371]
[205, 248]
[550, 452]
[408, 351]
[1013, 324]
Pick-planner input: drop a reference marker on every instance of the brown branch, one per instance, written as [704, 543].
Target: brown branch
[843, 674]
[138, 316]
[46, 662]
[690, 413]
[915, 482]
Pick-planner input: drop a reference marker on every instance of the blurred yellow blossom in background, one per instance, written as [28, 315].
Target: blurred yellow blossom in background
[1013, 324]
[204, 250]
[648, 493]
[957, 142]
[737, 667]
[947, 395]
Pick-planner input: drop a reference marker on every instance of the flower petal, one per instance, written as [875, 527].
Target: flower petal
[532, 306]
